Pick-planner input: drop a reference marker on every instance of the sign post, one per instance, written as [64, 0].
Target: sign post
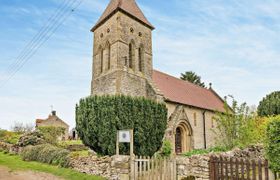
[126, 136]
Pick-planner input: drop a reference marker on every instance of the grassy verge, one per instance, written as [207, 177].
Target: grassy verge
[15, 163]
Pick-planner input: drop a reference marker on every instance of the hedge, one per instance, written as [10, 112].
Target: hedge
[46, 153]
[273, 143]
[99, 117]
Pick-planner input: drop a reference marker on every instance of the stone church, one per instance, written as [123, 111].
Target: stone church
[123, 64]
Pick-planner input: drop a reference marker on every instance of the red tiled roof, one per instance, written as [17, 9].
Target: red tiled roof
[128, 6]
[183, 92]
[39, 120]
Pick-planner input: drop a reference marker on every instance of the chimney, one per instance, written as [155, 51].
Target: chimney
[53, 113]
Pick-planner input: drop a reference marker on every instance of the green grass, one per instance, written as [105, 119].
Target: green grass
[84, 153]
[14, 162]
[73, 142]
[205, 151]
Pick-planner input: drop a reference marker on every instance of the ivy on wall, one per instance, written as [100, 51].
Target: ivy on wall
[99, 117]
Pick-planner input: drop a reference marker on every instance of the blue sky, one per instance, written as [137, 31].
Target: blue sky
[234, 44]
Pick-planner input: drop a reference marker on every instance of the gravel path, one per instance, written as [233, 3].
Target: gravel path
[7, 174]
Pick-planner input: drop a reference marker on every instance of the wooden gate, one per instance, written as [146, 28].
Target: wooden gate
[238, 169]
[146, 168]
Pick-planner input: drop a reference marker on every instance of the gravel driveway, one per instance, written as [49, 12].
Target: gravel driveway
[7, 174]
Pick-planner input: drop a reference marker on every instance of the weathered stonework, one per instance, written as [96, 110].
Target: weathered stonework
[112, 168]
[182, 113]
[112, 73]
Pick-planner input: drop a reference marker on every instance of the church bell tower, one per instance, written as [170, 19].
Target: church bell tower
[122, 52]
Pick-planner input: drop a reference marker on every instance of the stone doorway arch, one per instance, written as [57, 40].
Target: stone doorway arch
[183, 137]
[180, 130]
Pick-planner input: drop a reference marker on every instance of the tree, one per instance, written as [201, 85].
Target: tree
[273, 143]
[270, 105]
[98, 118]
[193, 78]
[237, 126]
[21, 128]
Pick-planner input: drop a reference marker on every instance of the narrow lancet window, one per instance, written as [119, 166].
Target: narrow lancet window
[131, 55]
[140, 59]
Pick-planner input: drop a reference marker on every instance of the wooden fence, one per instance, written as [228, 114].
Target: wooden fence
[146, 168]
[238, 169]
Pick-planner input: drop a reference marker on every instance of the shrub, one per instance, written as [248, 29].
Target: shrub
[270, 105]
[99, 117]
[273, 143]
[9, 137]
[32, 138]
[46, 153]
[237, 126]
[166, 149]
[51, 134]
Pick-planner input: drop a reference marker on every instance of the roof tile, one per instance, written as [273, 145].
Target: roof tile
[179, 91]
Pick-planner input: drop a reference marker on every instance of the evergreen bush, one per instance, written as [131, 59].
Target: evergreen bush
[99, 117]
[273, 143]
[47, 153]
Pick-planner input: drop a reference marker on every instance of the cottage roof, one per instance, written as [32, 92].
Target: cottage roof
[183, 92]
[129, 7]
[51, 118]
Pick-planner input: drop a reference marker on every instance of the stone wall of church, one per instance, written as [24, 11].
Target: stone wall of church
[195, 119]
[127, 83]
[118, 31]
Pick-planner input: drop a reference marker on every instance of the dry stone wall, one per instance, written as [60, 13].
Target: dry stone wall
[197, 166]
[112, 168]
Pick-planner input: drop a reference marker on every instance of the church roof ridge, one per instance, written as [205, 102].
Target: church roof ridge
[129, 7]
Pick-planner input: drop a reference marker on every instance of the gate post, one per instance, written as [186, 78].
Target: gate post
[212, 168]
[132, 167]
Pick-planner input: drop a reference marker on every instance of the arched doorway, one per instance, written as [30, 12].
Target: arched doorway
[183, 138]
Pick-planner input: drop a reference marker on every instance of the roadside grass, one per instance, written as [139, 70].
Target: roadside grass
[14, 162]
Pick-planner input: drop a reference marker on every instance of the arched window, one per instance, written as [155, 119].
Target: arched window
[101, 61]
[141, 58]
[107, 54]
[213, 122]
[194, 119]
[131, 55]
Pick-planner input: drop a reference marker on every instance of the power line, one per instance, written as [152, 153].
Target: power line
[42, 39]
[37, 37]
